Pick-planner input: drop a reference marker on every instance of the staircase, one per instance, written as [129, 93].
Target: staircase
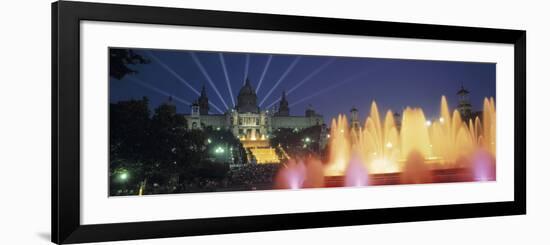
[262, 151]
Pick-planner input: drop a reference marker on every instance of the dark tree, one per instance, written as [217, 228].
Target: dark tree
[193, 149]
[222, 137]
[120, 61]
[166, 143]
[129, 123]
[297, 143]
[129, 130]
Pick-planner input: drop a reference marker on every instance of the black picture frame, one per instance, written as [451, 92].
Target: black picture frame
[66, 18]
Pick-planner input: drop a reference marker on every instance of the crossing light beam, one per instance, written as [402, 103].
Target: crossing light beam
[246, 64]
[264, 72]
[311, 75]
[327, 89]
[222, 61]
[159, 91]
[307, 78]
[288, 70]
[207, 76]
[162, 92]
[171, 71]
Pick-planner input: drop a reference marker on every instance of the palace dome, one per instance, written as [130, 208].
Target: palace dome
[247, 100]
[247, 89]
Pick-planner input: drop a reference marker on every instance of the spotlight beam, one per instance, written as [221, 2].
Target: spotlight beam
[162, 92]
[171, 71]
[246, 64]
[222, 61]
[159, 91]
[177, 76]
[264, 72]
[311, 75]
[307, 78]
[273, 103]
[198, 63]
[215, 107]
[281, 79]
[327, 89]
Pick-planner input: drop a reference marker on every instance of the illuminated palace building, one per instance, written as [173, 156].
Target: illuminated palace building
[249, 123]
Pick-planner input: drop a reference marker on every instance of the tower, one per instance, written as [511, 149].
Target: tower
[194, 122]
[171, 105]
[170, 101]
[283, 106]
[195, 109]
[203, 102]
[354, 119]
[397, 120]
[464, 106]
[310, 112]
[247, 100]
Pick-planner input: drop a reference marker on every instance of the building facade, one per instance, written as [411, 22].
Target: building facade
[246, 120]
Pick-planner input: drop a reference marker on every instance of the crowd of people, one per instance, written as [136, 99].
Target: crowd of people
[253, 175]
[246, 177]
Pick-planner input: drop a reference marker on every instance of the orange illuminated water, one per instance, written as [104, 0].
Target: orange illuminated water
[385, 149]
[416, 149]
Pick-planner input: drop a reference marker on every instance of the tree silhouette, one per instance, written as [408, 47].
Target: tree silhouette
[294, 141]
[129, 130]
[120, 61]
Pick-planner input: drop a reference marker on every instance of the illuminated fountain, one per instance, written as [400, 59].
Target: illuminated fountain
[447, 149]
[356, 173]
[297, 174]
[378, 144]
[339, 152]
[291, 176]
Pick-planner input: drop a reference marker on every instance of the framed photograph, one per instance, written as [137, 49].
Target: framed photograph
[175, 122]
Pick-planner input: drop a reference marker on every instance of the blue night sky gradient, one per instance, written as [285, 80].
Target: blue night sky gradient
[343, 82]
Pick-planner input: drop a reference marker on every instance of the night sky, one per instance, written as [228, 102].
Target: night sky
[331, 85]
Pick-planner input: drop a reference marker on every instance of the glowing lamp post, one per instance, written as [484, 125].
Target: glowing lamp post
[220, 153]
[123, 176]
[219, 150]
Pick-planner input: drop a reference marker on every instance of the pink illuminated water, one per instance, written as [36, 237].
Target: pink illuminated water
[356, 173]
[483, 166]
[291, 176]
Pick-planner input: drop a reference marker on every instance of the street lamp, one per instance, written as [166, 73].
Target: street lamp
[219, 150]
[123, 176]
